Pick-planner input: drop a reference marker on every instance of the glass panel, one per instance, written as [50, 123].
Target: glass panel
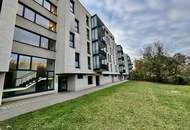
[71, 6]
[52, 26]
[54, 9]
[47, 5]
[13, 62]
[77, 60]
[52, 45]
[41, 81]
[29, 14]
[20, 10]
[44, 42]
[39, 64]
[26, 37]
[39, 1]
[76, 26]
[50, 65]
[72, 40]
[88, 34]
[42, 21]
[45, 23]
[24, 62]
[50, 80]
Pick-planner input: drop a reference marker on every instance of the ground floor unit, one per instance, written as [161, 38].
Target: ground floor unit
[17, 85]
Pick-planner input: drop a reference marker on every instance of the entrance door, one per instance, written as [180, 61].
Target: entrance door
[63, 86]
[97, 80]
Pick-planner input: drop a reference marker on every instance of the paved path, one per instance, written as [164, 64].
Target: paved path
[13, 109]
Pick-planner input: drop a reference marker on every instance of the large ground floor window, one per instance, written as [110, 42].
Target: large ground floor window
[28, 75]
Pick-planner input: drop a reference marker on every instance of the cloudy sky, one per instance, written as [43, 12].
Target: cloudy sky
[137, 23]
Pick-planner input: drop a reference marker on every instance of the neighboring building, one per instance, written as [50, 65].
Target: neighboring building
[46, 47]
[121, 61]
[104, 53]
[124, 62]
[130, 64]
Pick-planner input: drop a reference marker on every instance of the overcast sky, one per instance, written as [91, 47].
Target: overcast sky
[137, 23]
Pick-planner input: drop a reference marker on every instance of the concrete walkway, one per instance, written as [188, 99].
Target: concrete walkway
[13, 109]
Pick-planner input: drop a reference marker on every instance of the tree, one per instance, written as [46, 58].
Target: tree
[156, 65]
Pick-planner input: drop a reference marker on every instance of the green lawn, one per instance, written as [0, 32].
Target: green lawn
[128, 106]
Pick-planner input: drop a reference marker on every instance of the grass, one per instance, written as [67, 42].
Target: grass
[128, 106]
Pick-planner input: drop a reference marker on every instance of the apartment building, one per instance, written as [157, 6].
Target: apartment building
[104, 53]
[50, 46]
[74, 47]
[124, 62]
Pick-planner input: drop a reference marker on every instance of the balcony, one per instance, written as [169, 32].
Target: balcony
[103, 54]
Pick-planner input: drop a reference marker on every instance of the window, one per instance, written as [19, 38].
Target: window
[72, 40]
[39, 1]
[50, 65]
[1, 1]
[96, 62]
[40, 78]
[29, 14]
[87, 20]
[48, 5]
[36, 18]
[77, 60]
[72, 6]
[24, 62]
[88, 47]
[76, 26]
[88, 34]
[95, 47]
[42, 21]
[27, 37]
[44, 43]
[94, 34]
[80, 76]
[13, 62]
[39, 64]
[94, 22]
[90, 80]
[89, 63]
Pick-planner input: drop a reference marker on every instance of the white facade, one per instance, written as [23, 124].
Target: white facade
[48, 49]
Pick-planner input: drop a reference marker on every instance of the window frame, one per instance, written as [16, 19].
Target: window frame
[39, 44]
[71, 34]
[30, 69]
[51, 6]
[77, 26]
[77, 60]
[87, 20]
[90, 80]
[72, 8]
[80, 76]
[53, 29]
[89, 63]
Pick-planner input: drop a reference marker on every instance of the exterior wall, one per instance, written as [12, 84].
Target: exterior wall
[105, 79]
[64, 55]
[7, 23]
[8, 20]
[65, 62]
[83, 83]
